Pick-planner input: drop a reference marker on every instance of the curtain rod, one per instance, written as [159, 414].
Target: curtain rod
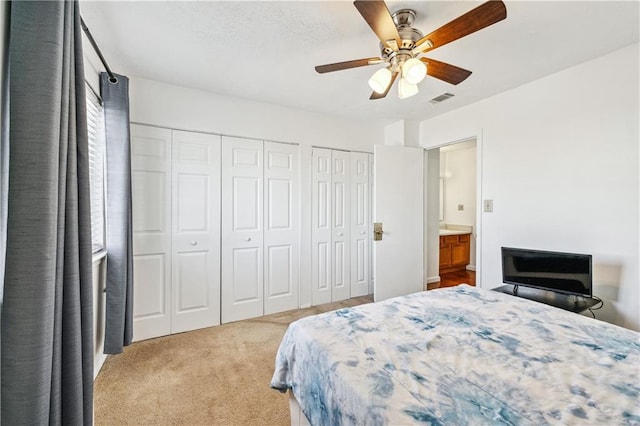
[112, 77]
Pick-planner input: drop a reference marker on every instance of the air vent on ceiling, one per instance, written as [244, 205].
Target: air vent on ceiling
[441, 98]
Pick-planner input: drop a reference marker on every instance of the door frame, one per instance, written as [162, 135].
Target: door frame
[468, 136]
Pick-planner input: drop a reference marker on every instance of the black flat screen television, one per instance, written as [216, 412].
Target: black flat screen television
[568, 273]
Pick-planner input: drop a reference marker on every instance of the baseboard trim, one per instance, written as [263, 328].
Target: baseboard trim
[305, 306]
[471, 268]
[433, 279]
[99, 362]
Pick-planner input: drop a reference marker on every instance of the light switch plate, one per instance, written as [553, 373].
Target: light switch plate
[460, 207]
[488, 206]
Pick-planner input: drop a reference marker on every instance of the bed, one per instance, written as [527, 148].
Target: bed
[457, 356]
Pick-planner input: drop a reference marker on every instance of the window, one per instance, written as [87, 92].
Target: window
[95, 127]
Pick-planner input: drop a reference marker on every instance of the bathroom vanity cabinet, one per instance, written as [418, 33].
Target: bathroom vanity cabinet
[454, 252]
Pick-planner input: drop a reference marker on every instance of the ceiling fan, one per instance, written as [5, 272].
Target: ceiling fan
[401, 45]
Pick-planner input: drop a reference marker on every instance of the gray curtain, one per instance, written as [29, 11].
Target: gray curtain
[4, 139]
[4, 148]
[119, 304]
[47, 319]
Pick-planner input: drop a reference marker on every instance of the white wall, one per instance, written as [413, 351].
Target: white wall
[190, 109]
[402, 133]
[560, 160]
[460, 189]
[176, 107]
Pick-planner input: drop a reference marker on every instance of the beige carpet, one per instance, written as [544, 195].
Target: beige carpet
[214, 376]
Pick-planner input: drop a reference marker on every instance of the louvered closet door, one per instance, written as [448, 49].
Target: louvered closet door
[196, 231]
[321, 216]
[341, 232]
[281, 227]
[242, 229]
[151, 187]
[360, 268]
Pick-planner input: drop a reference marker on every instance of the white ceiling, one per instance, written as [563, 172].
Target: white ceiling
[266, 50]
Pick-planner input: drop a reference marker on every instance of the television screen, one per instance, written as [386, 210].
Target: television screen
[568, 273]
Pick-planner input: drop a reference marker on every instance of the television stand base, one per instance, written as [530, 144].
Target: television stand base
[552, 298]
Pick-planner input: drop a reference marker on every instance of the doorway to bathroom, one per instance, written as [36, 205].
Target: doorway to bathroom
[453, 229]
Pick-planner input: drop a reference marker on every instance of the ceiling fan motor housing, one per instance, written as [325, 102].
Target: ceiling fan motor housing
[403, 19]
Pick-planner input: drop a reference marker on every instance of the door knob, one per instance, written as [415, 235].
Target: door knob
[363, 232]
[377, 231]
[248, 239]
[339, 234]
[194, 243]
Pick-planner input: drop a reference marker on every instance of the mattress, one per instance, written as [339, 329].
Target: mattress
[460, 355]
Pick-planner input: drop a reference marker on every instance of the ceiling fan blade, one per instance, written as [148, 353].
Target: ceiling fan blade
[379, 19]
[481, 17]
[376, 95]
[348, 64]
[445, 72]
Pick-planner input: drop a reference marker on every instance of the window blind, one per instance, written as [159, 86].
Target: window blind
[95, 127]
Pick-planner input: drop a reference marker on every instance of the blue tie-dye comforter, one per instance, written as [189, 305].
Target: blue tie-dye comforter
[460, 356]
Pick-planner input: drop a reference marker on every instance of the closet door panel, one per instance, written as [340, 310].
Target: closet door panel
[360, 268]
[150, 295]
[196, 232]
[151, 200]
[341, 226]
[322, 225]
[246, 283]
[281, 227]
[242, 229]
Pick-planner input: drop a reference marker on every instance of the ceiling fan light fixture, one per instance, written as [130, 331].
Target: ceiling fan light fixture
[400, 43]
[406, 89]
[414, 70]
[380, 80]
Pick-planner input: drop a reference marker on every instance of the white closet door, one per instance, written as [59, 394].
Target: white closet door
[151, 187]
[360, 267]
[242, 229]
[196, 231]
[281, 227]
[321, 216]
[372, 258]
[341, 233]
